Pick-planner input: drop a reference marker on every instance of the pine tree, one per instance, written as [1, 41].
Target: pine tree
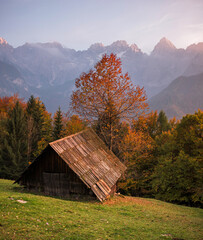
[35, 111]
[13, 157]
[58, 128]
[162, 122]
[34, 121]
[39, 127]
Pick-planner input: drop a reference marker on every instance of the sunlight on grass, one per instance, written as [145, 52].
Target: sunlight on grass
[43, 217]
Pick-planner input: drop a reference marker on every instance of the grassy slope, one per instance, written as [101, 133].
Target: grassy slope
[45, 217]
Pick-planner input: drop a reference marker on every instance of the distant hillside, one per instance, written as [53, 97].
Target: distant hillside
[184, 95]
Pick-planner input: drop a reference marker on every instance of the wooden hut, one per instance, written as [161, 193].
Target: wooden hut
[79, 164]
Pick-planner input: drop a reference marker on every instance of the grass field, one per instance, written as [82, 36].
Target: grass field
[42, 217]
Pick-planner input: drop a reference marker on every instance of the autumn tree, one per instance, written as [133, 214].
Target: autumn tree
[109, 131]
[107, 95]
[74, 124]
[8, 103]
[137, 147]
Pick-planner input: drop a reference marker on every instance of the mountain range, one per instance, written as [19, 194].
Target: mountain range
[49, 70]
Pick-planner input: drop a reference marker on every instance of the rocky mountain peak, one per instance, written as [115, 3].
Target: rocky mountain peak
[120, 44]
[3, 41]
[164, 46]
[195, 47]
[96, 47]
[118, 47]
[135, 48]
[166, 43]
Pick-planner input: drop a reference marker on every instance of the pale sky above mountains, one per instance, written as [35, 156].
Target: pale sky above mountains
[79, 23]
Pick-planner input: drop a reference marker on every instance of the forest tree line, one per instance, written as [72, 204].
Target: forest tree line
[26, 128]
[163, 158]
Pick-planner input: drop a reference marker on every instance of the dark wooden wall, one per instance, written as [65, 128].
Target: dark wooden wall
[50, 174]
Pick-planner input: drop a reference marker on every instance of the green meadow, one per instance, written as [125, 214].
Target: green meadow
[26, 215]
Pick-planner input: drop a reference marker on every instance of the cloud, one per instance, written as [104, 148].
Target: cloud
[198, 26]
[158, 23]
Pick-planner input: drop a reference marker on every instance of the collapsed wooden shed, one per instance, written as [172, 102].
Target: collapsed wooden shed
[79, 164]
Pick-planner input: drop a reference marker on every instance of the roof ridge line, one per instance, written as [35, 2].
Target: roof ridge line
[69, 136]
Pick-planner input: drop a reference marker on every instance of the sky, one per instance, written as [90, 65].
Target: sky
[79, 23]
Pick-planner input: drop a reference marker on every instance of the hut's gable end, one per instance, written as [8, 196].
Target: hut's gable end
[51, 175]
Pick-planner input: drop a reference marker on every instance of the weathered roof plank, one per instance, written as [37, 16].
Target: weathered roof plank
[89, 157]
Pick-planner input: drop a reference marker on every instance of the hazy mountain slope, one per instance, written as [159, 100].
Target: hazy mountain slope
[48, 70]
[184, 95]
[11, 81]
[55, 96]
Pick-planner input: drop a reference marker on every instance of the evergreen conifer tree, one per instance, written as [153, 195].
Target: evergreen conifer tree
[13, 158]
[162, 122]
[58, 128]
[35, 111]
[39, 127]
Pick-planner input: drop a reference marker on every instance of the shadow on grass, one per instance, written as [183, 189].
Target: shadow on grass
[72, 197]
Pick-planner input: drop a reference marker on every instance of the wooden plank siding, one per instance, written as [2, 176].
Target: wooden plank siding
[77, 164]
[50, 174]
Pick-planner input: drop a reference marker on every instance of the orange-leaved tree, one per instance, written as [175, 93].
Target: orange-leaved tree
[106, 95]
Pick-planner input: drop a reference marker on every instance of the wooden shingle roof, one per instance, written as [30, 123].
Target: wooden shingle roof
[88, 156]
